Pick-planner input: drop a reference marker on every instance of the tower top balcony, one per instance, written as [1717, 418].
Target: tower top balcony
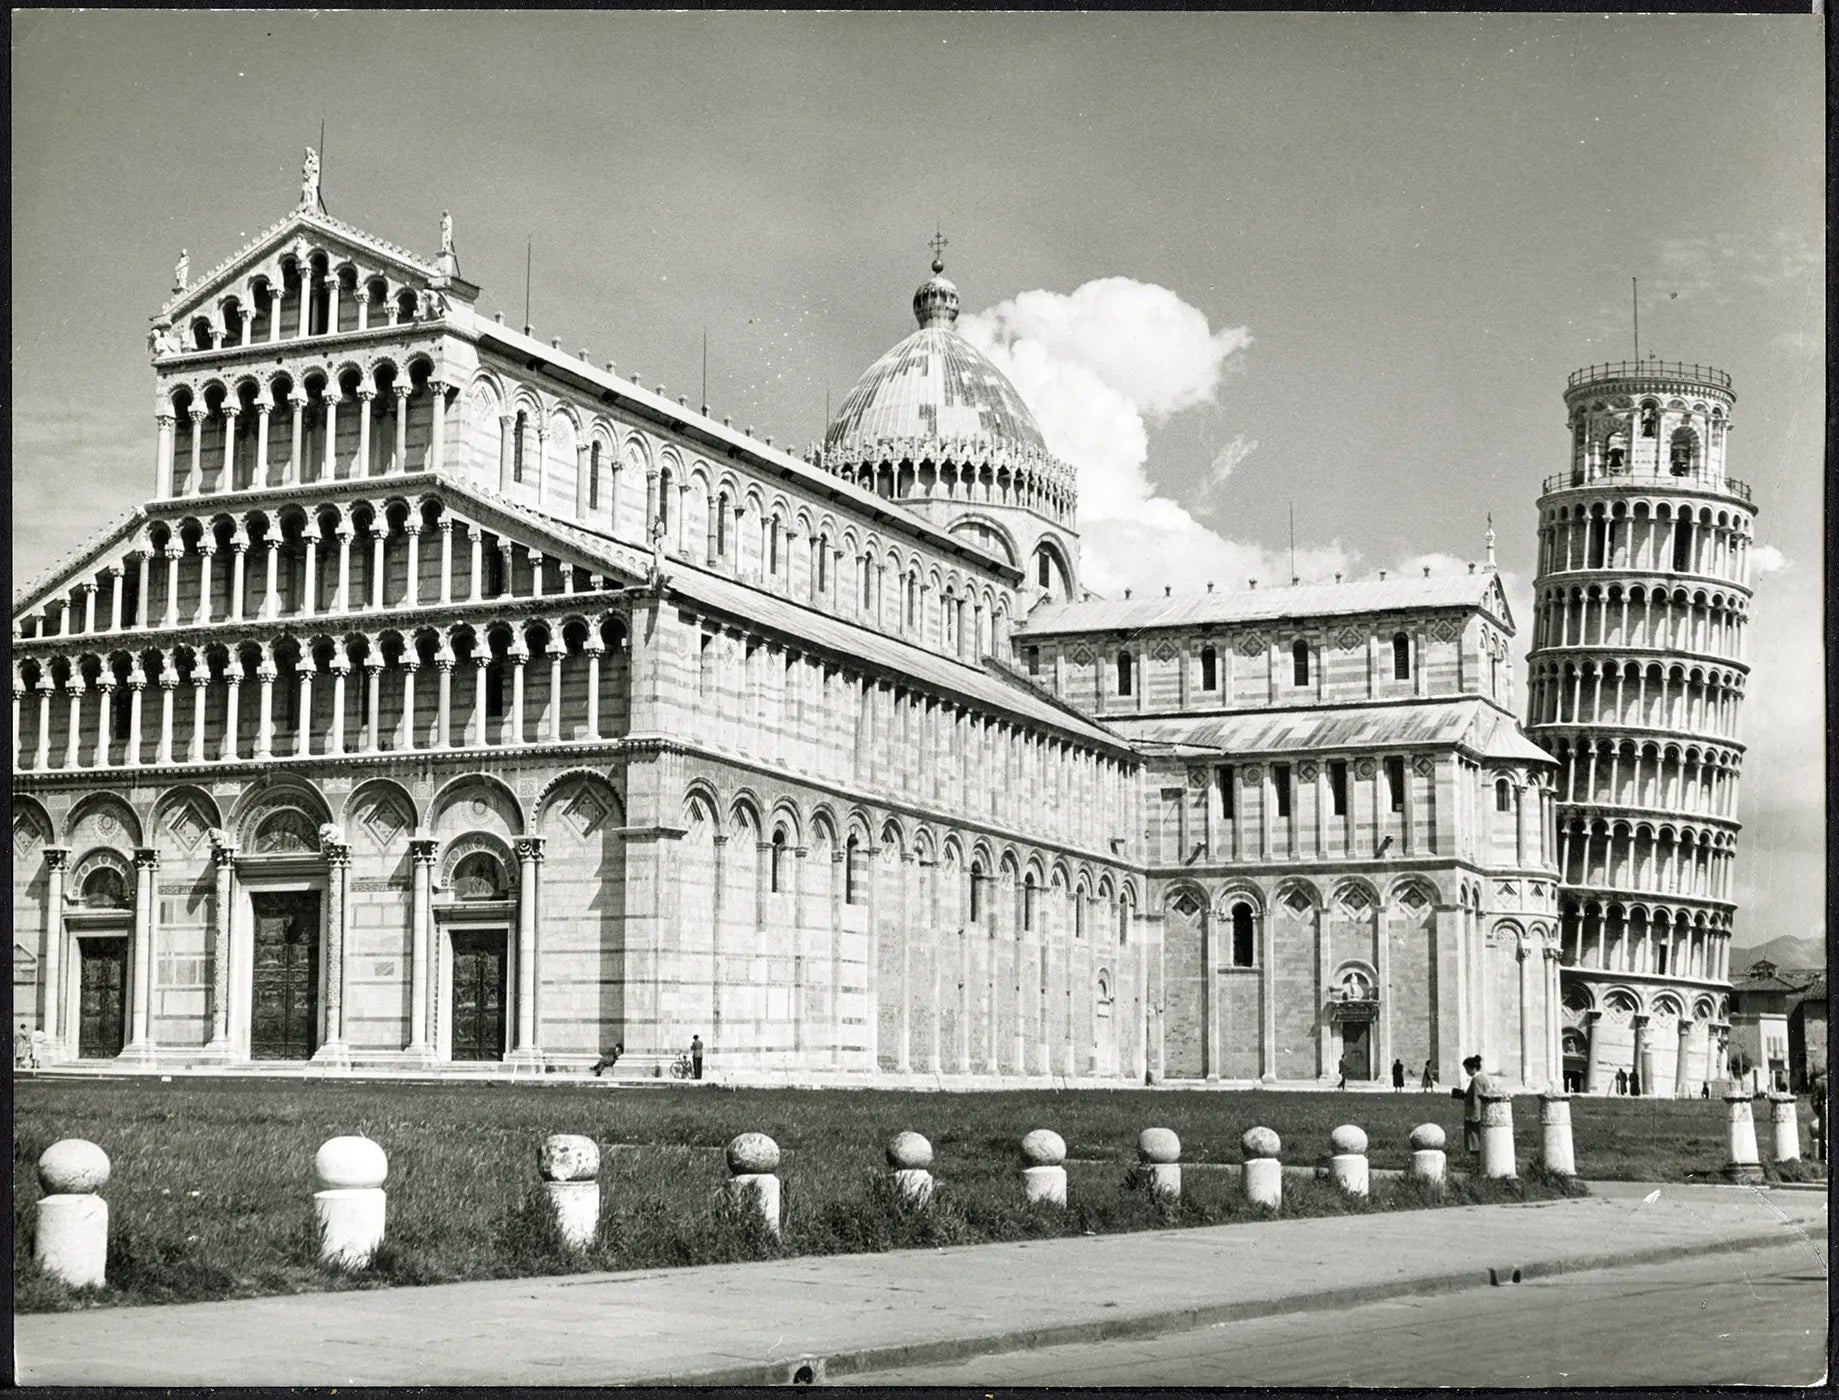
[1633, 375]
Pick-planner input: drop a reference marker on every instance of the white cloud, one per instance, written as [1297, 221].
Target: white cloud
[1766, 559]
[1099, 366]
[1225, 463]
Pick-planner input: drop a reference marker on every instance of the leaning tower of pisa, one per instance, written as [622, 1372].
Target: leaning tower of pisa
[1641, 607]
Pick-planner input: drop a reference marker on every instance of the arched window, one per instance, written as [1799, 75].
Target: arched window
[778, 871]
[1244, 936]
[1650, 420]
[479, 876]
[665, 485]
[912, 602]
[104, 888]
[1503, 795]
[593, 477]
[823, 563]
[1028, 894]
[772, 548]
[1401, 657]
[1299, 662]
[1079, 914]
[977, 879]
[1682, 545]
[1124, 673]
[494, 690]
[517, 447]
[1123, 921]
[1209, 669]
[854, 864]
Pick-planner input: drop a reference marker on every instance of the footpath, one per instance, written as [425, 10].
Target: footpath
[805, 1319]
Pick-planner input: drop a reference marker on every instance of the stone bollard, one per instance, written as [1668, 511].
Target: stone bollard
[71, 1225]
[1784, 1118]
[1159, 1153]
[1497, 1137]
[1429, 1162]
[570, 1167]
[1263, 1177]
[753, 1158]
[1555, 1134]
[1743, 1164]
[1347, 1167]
[1043, 1167]
[349, 1204]
[910, 1163]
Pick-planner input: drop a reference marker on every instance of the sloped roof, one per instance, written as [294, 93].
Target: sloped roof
[1479, 589]
[1461, 720]
[123, 524]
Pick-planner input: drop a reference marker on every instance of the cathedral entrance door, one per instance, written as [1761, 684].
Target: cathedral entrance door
[102, 1009]
[1357, 1046]
[284, 998]
[478, 994]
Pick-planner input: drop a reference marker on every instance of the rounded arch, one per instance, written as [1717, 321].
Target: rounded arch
[785, 814]
[467, 845]
[483, 793]
[32, 820]
[1239, 891]
[587, 799]
[185, 814]
[97, 810]
[380, 806]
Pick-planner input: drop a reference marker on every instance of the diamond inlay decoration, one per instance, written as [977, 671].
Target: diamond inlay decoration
[187, 826]
[585, 811]
[1297, 902]
[26, 833]
[384, 821]
[1413, 899]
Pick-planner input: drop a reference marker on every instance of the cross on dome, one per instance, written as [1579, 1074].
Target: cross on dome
[938, 243]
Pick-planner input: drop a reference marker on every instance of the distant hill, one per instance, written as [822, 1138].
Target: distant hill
[1786, 952]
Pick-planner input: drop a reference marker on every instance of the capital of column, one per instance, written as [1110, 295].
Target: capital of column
[264, 408]
[529, 848]
[166, 418]
[146, 858]
[198, 415]
[402, 391]
[366, 394]
[57, 857]
[424, 850]
[298, 400]
[335, 850]
[223, 849]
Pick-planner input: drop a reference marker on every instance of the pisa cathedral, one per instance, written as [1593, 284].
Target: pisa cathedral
[455, 702]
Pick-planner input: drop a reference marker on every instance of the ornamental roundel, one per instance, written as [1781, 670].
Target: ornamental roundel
[1253, 775]
[1365, 768]
[480, 807]
[106, 825]
[1251, 644]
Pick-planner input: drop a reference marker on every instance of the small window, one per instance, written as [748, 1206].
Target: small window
[1280, 784]
[1032, 655]
[823, 563]
[1650, 420]
[1229, 792]
[1682, 546]
[1401, 657]
[1299, 663]
[1044, 571]
[104, 888]
[593, 477]
[1028, 897]
[1503, 796]
[977, 879]
[721, 526]
[479, 876]
[1395, 783]
[1209, 669]
[853, 869]
[494, 690]
[1124, 673]
[1123, 921]
[777, 868]
[1337, 785]
[1244, 936]
[772, 549]
[517, 447]
[665, 486]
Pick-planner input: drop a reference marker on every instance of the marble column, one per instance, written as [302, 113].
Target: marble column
[162, 457]
[223, 856]
[402, 392]
[1679, 1058]
[529, 883]
[338, 869]
[1593, 1065]
[1643, 1056]
[57, 863]
[424, 853]
[366, 397]
[146, 931]
[412, 593]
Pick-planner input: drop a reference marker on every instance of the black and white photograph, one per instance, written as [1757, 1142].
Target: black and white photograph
[919, 699]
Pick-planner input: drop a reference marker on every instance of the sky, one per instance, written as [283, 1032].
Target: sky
[1240, 265]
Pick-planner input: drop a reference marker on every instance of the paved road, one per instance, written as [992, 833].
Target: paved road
[1759, 1317]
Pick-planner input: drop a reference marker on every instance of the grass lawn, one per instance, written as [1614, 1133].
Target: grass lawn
[212, 1181]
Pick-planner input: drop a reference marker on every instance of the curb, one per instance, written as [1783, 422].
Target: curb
[812, 1367]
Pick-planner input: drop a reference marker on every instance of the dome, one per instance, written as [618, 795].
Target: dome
[934, 385]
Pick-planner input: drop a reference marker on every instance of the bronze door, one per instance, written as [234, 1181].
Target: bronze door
[102, 1014]
[1356, 1044]
[284, 989]
[478, 996]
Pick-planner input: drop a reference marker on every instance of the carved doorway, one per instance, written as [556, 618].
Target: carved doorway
[478, 994]
[284, 986]
[103, 997]
[1357, 1048]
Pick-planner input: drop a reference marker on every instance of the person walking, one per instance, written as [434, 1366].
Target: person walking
[696, 1057]
[1430, 1076]
[1398, 1076]
[1343, 1083]
[1621, 1081]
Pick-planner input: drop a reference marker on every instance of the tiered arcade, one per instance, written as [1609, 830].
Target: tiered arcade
[1637, 671]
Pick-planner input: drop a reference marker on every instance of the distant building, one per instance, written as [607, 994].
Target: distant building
[1807, 1032]
[1759, 1003]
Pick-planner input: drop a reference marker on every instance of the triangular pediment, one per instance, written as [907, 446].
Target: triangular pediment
[1494, 603]
[302, 230]
[80, 565]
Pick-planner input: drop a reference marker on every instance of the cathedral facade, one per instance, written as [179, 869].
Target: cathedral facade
[456, 702]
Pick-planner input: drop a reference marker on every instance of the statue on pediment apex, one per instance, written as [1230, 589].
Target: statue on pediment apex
[182, 271]
[309, 180]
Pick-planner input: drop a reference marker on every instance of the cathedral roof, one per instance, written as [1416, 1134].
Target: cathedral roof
[934, 387]
[1297, 602]
[1465, 720]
